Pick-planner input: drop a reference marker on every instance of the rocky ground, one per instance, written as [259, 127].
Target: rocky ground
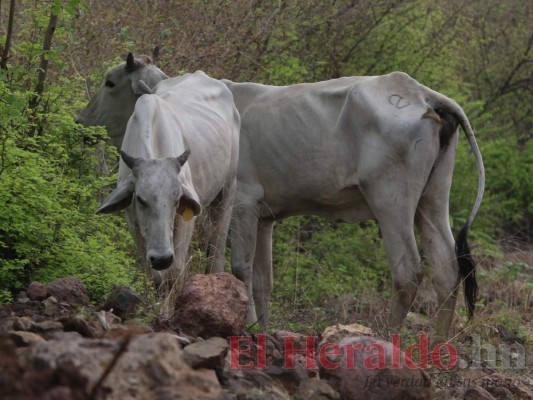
[56, 346]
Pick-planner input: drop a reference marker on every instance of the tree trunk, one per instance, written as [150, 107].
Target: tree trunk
[5, 50]
[47, 45]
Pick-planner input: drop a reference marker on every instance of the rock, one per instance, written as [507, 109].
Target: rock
[443, 394]
[122, 301]
[521, 389]
[250, 384]
[211, 305]
[11, 383]
[150, 367]
[289, 378]
[50, 306]
[315, 389]
[500, 393]
[23, 324]
[22, 298]
[37, 291]
[477, 393]
[46, 326]
[78, 324]
[352, 377]
[59, 393]
[208, 353]
[69, 290]
[122, 331]
[23, 338]
[7, 323]
[63, 336]
[335, 333]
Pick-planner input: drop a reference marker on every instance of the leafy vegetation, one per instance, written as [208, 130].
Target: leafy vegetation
[53, 173]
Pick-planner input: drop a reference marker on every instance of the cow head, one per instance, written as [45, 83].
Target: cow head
[114, 102]
[156, 195]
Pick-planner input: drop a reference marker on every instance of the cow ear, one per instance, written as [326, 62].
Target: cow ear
[189, 206]
[119, 199]
[140, 87]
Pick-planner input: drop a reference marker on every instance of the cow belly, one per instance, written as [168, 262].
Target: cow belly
[347, 205]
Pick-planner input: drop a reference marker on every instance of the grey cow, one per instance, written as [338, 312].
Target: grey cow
[161, 187]
[351, 149]
[112, 105]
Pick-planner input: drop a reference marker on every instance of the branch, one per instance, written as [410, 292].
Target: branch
[505, 87]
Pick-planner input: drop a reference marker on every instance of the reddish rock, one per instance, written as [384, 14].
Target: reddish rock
[211, 305]
[37, 291]
[355, 380]
[69, 290]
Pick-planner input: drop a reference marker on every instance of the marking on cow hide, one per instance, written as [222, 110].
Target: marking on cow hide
[398, 101]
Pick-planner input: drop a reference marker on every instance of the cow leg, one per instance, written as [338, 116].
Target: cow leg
[243, 236]
[220, 221]
[394, 207]
[402, 253]
[439, 249]
[437, 240]
[262, 272]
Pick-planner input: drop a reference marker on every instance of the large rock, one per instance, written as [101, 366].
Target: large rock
[359, 375]
[69, 290]
[37, 291]
[208, 353]
[122, 301]
[151, 367]
[211, 305]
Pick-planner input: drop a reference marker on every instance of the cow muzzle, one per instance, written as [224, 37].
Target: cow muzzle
[160, 261]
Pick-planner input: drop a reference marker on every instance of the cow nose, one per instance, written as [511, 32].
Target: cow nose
[160, 261]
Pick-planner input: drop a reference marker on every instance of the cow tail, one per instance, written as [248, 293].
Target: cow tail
[467, 267]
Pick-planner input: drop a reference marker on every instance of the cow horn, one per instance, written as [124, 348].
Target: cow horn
[183, 158]
[155, 54]
[128, 160]
[131, 64]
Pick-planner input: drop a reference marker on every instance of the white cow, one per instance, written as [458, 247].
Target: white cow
[351, 149]
[160, 186]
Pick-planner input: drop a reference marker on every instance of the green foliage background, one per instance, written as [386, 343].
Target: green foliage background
[53, 173]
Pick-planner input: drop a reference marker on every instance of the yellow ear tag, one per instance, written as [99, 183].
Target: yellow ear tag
[187, 214]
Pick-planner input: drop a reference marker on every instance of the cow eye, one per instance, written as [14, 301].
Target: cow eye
[142, 202]
[109, 84]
